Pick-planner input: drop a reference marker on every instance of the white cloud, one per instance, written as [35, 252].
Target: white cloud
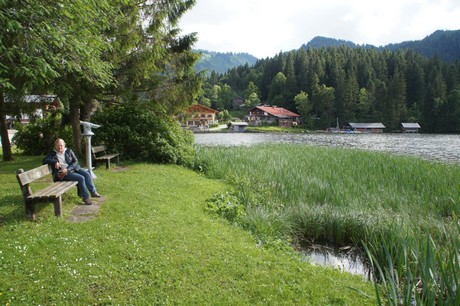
[263, 28]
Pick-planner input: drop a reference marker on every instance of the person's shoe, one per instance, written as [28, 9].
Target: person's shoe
[87, 202]
[95, 195]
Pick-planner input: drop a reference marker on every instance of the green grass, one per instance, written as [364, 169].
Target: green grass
[152, 243]
[390, 204]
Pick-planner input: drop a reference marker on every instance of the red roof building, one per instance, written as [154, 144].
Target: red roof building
[272, 115]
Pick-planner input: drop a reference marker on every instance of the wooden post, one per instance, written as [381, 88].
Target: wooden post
[58, 206]
[26, 191]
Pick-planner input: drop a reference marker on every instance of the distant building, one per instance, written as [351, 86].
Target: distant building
[34, 106]
[201, 116]
[238, 126]
[367, 127]
[272, 115]
[410, 127]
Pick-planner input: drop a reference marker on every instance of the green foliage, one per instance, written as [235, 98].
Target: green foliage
[37, 137]
[141, 135]
[227, 206]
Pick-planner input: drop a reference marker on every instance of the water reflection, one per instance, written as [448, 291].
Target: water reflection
[445, 148]
[345, 260]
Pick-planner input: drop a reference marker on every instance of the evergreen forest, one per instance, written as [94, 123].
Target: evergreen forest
[352, 84]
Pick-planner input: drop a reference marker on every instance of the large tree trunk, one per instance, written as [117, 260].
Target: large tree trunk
[75, 122]
[86, 110]
[6, 145]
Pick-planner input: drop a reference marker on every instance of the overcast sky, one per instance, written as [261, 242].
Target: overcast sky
[265, 27]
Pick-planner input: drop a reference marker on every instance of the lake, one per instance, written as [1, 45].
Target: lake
[434, 147]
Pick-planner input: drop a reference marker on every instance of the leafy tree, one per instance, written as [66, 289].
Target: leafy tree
[252, 100]
[304, 107]
[214, 96]
[41, 39]
[324, 97]
[277, 90]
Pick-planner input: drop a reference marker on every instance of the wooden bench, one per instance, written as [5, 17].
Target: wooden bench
[53, 191]
[100, 154]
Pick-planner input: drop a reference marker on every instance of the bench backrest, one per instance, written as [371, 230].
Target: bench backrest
[26, 177]
[98, 149]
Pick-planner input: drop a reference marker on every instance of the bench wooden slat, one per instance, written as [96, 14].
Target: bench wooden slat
[53, 191]
[108, 156]
[98, 149]
[34, 174]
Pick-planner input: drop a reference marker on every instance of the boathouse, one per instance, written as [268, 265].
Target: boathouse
[367, 127]
[407, 127]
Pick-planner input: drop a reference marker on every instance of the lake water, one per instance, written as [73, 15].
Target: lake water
[444, 148]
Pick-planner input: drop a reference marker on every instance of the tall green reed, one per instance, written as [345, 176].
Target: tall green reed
[384, 202]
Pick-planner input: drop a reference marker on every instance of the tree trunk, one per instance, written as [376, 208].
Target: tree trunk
[75, 122]
[6, 145]
[86, 110]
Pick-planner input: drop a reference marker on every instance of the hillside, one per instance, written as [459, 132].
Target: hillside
[444, 44]
[221, 62]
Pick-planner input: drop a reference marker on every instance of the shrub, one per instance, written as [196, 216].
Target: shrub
[227, 206]
[37, 137]
[142, 135]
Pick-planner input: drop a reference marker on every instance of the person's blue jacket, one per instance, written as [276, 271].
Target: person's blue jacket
[70, 159]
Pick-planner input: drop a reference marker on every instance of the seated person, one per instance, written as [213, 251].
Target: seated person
[66, 168]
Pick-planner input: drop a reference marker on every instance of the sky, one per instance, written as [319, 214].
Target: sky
[264, 28]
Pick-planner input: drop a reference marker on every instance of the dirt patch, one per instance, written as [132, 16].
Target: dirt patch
[82, 213]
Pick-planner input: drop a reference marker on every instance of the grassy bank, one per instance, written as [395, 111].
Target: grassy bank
[153, 243]
[403, 210]
[274, 129]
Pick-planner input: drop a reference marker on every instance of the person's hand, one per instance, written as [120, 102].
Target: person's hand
[57, 165]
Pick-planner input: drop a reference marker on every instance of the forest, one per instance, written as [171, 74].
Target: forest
[352, 84]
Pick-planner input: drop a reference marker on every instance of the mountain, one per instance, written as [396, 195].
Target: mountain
[444, 44]
[221, 62]
[324, 42]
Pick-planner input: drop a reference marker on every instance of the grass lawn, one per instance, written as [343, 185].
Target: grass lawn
[153, 243]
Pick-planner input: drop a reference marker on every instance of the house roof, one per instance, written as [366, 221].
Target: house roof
[201, 108]
[278, 112]
[376, 125]
[410, 125]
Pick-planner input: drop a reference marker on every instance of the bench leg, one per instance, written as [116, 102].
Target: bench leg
[30, 209]
[107, 164]
[58, 206]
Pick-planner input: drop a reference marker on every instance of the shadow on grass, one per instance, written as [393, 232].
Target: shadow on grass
[14, 205]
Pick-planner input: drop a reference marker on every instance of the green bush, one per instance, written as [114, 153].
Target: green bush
[37, 137]
[227, 206]
[141, 135]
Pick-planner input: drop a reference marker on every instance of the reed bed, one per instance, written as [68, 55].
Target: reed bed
[389, 205]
